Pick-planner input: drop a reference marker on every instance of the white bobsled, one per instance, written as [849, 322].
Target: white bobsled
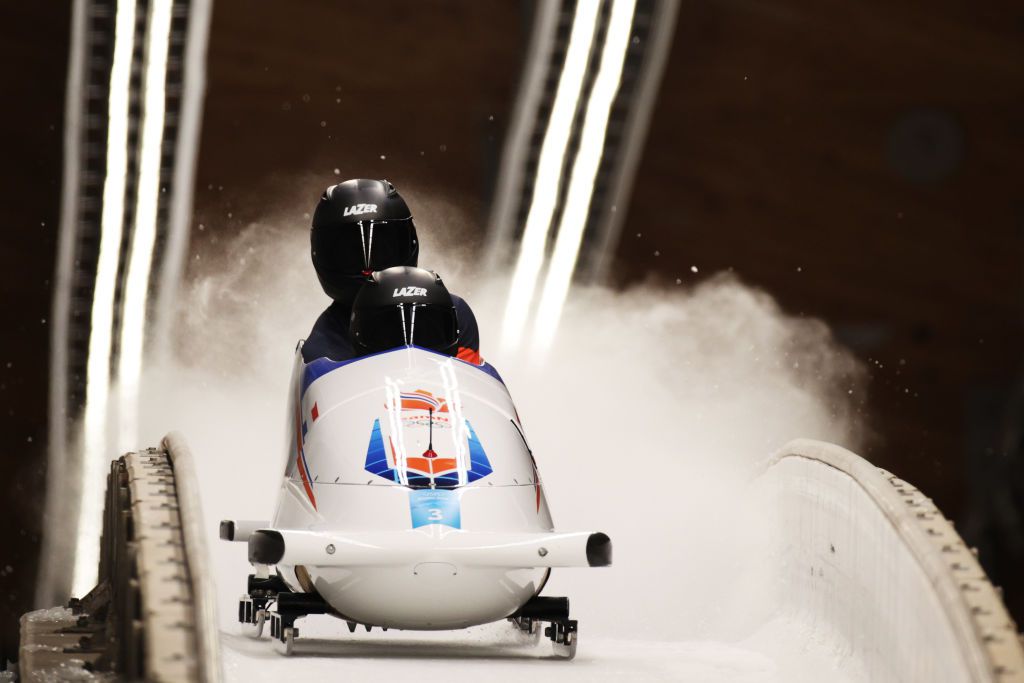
[410, 500]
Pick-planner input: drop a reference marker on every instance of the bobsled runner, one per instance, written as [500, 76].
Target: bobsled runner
[410, 500]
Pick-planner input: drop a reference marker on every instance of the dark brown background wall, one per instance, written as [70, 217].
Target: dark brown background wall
[860, 161]
[33, 52]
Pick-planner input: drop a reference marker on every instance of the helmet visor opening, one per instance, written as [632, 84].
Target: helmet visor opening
[362, 246]
[430, 326]
[433, 326]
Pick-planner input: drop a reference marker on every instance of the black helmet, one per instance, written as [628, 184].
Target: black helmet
[360, 226]
[403, 307]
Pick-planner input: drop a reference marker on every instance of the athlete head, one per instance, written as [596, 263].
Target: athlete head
[403, 306]
[360, 226]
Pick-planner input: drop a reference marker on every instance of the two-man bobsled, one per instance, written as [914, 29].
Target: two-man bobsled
[410, 500]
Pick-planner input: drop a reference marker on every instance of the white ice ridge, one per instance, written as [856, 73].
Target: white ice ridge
[864, 555]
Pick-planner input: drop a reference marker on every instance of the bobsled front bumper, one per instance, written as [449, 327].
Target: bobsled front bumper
[434, 543]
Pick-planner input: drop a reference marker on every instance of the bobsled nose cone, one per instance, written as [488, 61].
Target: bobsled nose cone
[599, 550]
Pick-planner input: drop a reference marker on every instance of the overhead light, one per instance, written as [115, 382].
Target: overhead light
[584, 171]
[548, 177]
[137, 285]
[95, 456]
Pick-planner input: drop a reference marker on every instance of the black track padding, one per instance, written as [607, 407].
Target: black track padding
[599, 550]
[266, 546]
[227, 530]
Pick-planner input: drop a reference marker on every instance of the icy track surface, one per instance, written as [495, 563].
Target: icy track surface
[496, 653]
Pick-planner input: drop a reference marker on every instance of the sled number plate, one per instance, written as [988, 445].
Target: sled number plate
[435, 506]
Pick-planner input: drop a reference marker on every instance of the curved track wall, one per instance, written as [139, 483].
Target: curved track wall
[868, 556]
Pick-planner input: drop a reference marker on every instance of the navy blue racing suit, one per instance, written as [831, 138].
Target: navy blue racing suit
[329, 336]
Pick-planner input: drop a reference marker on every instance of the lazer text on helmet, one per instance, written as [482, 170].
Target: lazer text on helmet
[359, 209]
[409, 291]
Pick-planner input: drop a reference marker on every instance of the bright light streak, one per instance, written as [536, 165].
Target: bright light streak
[133, 317]
[581, 182]
[549, 169]
[393, 403]
[95, 456]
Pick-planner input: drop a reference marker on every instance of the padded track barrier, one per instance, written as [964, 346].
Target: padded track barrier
[151, 617]
[866, 554]
[200, 573]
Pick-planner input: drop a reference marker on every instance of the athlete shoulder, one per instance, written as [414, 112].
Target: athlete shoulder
[469, 332]
[329, 336]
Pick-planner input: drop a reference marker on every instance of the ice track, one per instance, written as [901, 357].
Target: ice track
[483, 654]
[847, 573]
[861, 579]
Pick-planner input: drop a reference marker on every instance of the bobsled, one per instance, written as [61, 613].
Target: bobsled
[410, 500]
